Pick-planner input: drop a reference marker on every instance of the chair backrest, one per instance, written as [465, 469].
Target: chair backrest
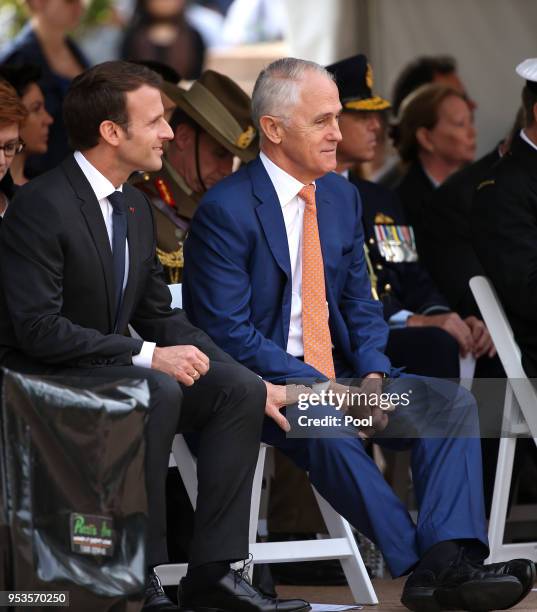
[177, 295]
[508, 350]
[498, 326]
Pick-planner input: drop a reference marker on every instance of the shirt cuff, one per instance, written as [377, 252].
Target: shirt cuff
[145, 356]
[399, 319]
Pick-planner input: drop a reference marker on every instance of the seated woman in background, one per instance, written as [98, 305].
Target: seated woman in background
[34, 133]
[159, 31]
[435, 137]
[12, 115]
[44, 42]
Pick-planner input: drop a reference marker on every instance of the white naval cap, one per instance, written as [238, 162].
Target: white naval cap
[528, 69]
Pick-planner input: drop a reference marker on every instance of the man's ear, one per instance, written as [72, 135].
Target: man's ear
[110, 132]
[423, 136]
[271, 128]
[183, 136]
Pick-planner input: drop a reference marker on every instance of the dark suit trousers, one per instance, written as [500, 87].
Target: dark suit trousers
[226, 407]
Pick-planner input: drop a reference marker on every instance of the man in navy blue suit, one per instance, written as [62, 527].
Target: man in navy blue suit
[246, 283]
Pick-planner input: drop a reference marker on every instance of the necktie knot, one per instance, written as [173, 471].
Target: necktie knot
[117, 200]
[307, 193]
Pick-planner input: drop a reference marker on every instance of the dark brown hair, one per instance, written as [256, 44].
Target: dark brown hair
[529, 100]
[421, 71]
[12, 110]
[99, 94]
[419, 109]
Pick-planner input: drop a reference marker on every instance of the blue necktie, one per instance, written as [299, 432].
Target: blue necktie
[119, 238]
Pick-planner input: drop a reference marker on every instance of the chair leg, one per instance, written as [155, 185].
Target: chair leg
[502, 481]
[500, 499]
[353, 565]
[256, 500]
[186, 464]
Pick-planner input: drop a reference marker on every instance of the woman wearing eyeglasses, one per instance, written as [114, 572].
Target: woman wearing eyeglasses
[12, 115]
[44, 42]
[35, 131]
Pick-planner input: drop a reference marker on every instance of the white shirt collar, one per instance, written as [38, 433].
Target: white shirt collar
[101, 186]
[525, 137]
[286, 186]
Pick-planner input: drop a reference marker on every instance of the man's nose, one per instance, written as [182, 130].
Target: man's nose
[375, 123]
[167, 132]
[335, 133]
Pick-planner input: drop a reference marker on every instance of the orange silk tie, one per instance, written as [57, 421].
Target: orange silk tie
[315, 330]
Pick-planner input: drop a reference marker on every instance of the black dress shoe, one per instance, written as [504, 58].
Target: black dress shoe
[156, 599]
[233, 593]
[463, 585]
[523, 569]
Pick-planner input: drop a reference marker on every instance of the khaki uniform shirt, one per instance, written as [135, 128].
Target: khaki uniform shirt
[174, 204]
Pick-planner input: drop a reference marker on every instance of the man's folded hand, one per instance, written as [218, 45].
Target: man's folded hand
[185, 363]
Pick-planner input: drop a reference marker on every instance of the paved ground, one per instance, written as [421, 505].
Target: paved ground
[388, 592]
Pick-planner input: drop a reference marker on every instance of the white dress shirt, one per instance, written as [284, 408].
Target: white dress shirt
[287, 188]
[102, 188]
[526, 138]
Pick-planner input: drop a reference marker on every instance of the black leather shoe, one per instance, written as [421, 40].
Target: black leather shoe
[233, 593]
[465, 585]
[156, 599]
[523, 569]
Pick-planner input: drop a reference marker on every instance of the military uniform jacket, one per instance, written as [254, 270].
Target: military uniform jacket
[504, 233]
[402, 282]
[446, 244]
[415, 190]
[173, 206]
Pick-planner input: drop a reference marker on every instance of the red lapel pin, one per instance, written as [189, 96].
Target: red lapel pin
[131, 209]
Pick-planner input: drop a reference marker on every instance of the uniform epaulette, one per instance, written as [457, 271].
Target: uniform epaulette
[485, 183]
[164, 191]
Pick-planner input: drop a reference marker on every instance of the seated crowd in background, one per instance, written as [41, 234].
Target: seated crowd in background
[426, 329]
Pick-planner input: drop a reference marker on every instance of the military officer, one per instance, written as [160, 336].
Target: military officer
[504, 224]
[425, 336]
[211, 125]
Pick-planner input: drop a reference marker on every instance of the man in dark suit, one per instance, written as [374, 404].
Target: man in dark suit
[79, 265]
[275, 273]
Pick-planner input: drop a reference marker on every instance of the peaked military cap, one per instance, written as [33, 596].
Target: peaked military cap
[528, 70]
[354, 78]
[219, 106]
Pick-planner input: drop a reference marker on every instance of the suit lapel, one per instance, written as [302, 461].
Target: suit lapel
[270, 216]
[92, 213]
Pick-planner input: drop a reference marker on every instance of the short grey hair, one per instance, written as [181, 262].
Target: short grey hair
[276, 89]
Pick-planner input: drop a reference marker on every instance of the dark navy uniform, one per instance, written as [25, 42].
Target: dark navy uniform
[415, 190]
[403, 284]
[446, 244]
[504, 233]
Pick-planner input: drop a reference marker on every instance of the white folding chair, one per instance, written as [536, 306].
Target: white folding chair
[340, 545]
[520, 417]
